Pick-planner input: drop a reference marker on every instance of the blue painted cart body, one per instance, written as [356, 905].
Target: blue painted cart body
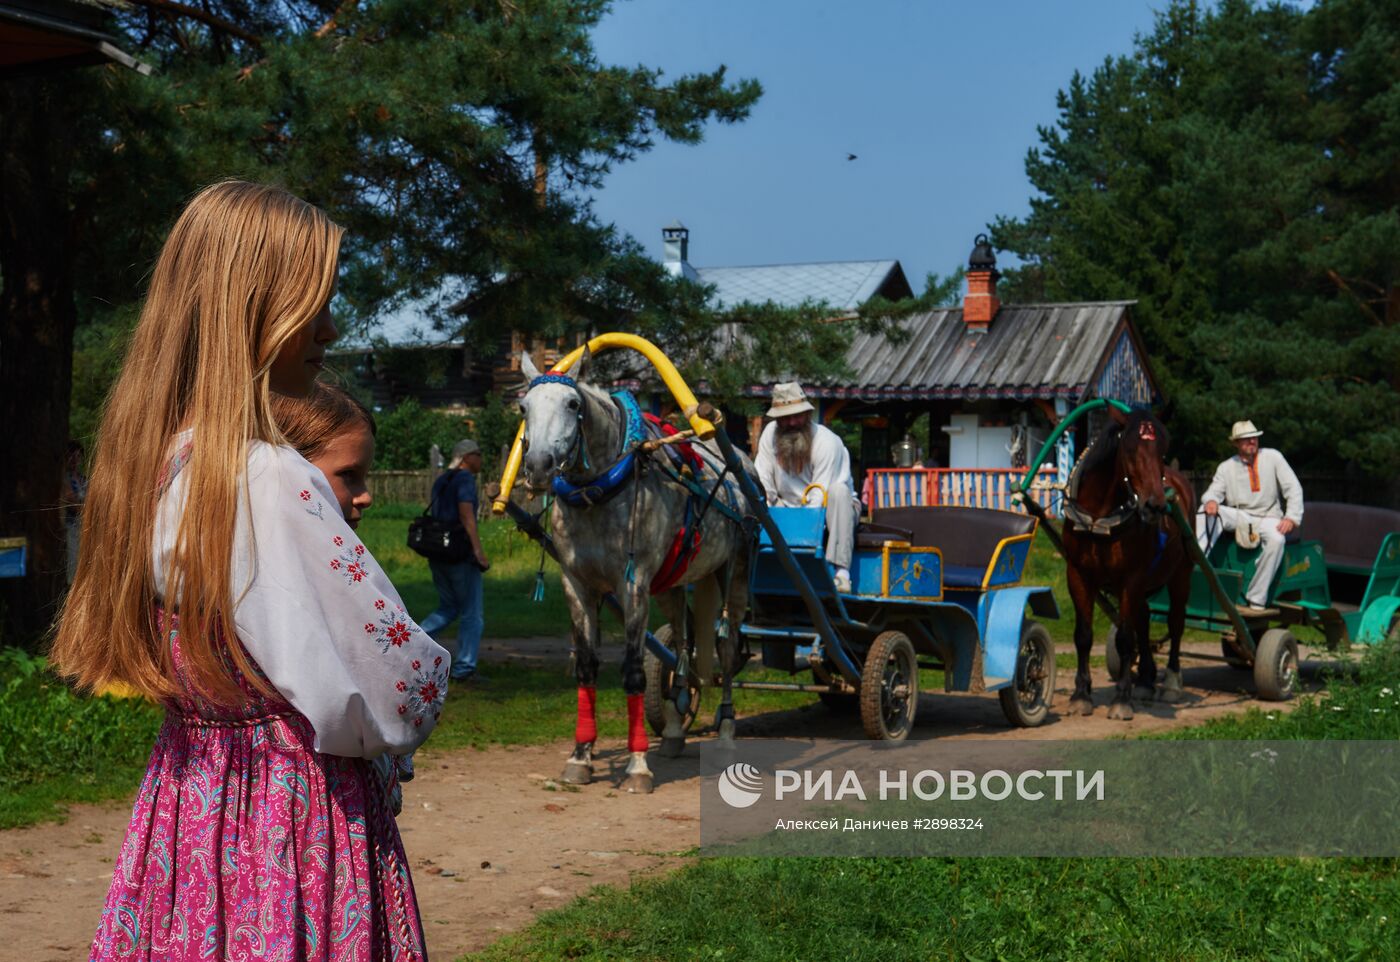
[946, 578]
[13, 556]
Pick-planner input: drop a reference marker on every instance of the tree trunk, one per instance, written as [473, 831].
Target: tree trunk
[37, 318]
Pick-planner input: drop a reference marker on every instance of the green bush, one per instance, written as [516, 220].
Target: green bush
[495, 429]
[409, 430]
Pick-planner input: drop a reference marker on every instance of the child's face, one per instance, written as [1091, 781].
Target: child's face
[346, 462]
[299, 362]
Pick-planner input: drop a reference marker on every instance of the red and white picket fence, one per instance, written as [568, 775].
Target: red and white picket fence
[968, 487]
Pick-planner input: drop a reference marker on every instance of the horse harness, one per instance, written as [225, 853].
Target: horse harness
[1107, 526]
[679, 463]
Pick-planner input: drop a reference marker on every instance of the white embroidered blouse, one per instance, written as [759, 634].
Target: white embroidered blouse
[317, 613]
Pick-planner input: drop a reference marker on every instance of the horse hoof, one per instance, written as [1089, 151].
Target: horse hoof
[1170, 696]
[1172, 690]
[638, 784]
[671, 747]
[1120, 711]
[726, 734]
[1081, 706]
[577, 773]
[1144, 692]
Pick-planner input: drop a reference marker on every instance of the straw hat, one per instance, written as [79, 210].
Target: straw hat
[788, 399]
[1244, 429]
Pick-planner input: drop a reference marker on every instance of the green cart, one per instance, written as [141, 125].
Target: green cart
[1341, 577]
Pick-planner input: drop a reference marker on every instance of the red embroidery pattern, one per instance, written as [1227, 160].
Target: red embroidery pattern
[1253, 474]
[394, 629]
[312, 505]
[426, 691]
[350, 562]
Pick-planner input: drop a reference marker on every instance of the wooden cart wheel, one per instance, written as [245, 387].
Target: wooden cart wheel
[1026, 701]
[658, 678]
[1276, 665]
[889, 688]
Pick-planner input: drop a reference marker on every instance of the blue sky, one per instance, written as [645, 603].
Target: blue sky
[939, 100]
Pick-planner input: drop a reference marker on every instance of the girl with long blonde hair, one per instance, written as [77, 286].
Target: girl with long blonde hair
[218, 576]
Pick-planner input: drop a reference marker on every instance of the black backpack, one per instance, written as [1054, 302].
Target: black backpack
[439, 540]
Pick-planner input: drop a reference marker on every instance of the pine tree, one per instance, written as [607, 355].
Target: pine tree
[457, 140]
[1237, 175]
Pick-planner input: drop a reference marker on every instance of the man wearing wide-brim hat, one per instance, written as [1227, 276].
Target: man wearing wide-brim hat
[1256, 495]
[796, 454]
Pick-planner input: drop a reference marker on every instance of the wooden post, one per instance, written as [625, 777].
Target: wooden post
[755, 431]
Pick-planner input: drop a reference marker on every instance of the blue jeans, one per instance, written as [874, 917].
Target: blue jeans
[460, 597]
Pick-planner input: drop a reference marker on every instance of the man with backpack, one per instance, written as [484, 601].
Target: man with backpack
[458, 583]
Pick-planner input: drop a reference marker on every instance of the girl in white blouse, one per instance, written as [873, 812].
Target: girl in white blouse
[280, 648]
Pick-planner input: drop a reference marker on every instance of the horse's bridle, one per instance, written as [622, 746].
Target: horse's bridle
[576, 451]
[1146, 432]
[1125, 511]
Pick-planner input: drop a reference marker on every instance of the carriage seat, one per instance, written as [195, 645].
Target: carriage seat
[967, 538]
[1351, 534]
[871, 536]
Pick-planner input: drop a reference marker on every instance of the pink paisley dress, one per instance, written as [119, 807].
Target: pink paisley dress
[262, 831]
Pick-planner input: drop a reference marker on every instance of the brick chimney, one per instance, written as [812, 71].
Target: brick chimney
[981, 303]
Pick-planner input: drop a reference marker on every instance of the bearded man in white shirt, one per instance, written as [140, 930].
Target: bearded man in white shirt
[1254, 489]
[794, 453]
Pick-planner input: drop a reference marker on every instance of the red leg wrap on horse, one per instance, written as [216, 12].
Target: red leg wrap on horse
[636, 725]
[586, 731]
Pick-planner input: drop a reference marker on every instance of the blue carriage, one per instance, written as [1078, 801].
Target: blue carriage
[933, 587]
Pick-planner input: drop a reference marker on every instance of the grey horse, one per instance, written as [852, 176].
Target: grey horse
[617, 544]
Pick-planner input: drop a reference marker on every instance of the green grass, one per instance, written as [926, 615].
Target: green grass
[1364, 708]
[851, 910]
[57, 747]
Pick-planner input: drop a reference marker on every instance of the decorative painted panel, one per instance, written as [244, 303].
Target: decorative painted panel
[1124, 378]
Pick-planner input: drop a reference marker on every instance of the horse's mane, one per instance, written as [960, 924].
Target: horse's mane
[597, 392]
[1102, 449]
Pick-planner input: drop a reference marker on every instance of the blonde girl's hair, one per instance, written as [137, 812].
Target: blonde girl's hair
[310, 424]
[244, 270]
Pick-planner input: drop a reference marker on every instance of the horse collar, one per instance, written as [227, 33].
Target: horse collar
[1103, 527]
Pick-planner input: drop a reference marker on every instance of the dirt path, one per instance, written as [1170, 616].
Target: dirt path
[494, 841]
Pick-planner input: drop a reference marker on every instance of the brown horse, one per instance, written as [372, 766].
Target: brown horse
[1118, 538]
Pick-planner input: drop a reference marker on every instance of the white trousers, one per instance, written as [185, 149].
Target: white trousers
[840, 526]
[1270, 547]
